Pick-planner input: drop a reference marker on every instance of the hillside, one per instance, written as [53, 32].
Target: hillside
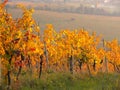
[107, 26]
[98, 7]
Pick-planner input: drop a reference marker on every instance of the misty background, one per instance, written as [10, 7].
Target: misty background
[98, 7]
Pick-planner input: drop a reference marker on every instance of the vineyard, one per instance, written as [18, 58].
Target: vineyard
[24, 50]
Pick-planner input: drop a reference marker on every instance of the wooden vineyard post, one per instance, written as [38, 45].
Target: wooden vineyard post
[89, 72]
[71, 64]
[71, 61]
[105, 59]
[46, 55]
[0, 72]
[40, 68]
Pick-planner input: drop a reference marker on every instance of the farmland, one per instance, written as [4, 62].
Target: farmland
[108, 26]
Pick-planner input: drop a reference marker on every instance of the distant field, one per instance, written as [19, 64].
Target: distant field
[109, 27]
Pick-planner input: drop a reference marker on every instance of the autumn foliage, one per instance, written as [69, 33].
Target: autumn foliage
[24, 49]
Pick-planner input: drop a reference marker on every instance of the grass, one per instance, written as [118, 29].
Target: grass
[65, 81]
